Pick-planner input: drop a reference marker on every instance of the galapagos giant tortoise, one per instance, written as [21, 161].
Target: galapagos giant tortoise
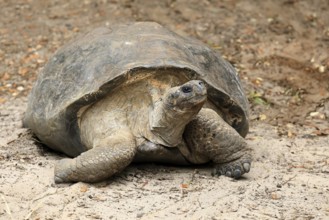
[139, 92]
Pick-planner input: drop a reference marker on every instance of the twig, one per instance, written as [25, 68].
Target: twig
[291, 178]
[193, 176]
[33, 210]
[7, 207]
[181, 192]
[40, 203]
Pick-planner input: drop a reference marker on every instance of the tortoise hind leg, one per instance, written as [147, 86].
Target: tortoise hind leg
[209, 137]
[110, 156]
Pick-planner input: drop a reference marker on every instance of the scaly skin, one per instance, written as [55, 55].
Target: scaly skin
[99, 163]
[209, 137]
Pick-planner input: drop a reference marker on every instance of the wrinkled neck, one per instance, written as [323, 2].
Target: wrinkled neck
[169, 123]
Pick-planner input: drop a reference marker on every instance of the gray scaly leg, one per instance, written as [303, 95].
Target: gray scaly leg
[109, 157]
[209, 137]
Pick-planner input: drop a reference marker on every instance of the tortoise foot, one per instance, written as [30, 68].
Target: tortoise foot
[234, 169]
[62, 168]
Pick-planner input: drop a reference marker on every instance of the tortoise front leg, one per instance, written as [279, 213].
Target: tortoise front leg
[209, 137]
[110, 156]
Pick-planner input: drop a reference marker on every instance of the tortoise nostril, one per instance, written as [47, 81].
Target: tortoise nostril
[201, 85]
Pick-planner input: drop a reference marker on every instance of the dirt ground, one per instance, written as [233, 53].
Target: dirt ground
[280, 49]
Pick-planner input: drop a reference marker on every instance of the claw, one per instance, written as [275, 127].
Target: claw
[246, 167]
[228, 173]
[237, 173]
[214, 172]
[58, 179]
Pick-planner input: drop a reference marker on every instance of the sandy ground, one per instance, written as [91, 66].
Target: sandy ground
[280, 49]
[288, 180]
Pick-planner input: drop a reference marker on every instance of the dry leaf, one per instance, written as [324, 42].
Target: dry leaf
[83, 188]
[262, 117]
[275, 196]
[5, 76]
[2, 100]
[22, 71]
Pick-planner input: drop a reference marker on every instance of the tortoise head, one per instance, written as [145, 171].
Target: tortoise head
[187, 97]
[178, 107]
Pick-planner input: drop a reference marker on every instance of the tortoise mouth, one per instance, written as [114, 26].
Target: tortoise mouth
[195, 100]
[189, 104]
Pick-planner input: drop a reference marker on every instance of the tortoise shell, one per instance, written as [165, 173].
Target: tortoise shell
[93, 65]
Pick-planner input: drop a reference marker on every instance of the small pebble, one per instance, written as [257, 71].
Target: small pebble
[139, 215]
[322, 69]
[20, 88]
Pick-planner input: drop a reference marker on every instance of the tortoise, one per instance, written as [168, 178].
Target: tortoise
[139, 92]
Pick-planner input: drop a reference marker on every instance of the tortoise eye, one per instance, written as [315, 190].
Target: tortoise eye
[187, 89]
